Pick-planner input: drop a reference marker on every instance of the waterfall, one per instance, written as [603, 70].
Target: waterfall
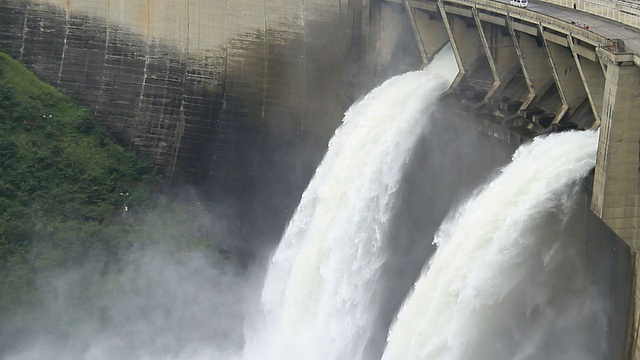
[505, 283]
[509, 279]
[319, 293]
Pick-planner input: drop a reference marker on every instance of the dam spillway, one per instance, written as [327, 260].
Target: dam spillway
[223, 92]
[543, 70]
[145, 317]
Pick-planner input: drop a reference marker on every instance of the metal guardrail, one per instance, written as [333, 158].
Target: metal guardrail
[614, 49]
[624, 11]
[622, 5]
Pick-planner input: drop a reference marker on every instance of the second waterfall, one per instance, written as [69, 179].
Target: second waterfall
[319, 299]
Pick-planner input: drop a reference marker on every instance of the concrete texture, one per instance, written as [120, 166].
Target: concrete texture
[238, 98]
[198, 87]
[592, 79]
[465, 41]
[431, 34]
[533, 62]
[616, 180]
[616, 186]
[576, 21]
[500, 51]
[567, 78]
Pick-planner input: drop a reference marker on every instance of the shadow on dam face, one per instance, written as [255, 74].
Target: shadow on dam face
[184, 110]
[243, 111]
[246, 121]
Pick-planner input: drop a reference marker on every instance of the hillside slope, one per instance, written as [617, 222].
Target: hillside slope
[69, 194]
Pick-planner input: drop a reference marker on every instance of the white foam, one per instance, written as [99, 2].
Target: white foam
[473, 300]
[318, 295]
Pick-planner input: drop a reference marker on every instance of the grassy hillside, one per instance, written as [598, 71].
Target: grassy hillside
[64, 185]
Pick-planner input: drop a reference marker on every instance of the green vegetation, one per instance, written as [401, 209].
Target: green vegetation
[64, 184]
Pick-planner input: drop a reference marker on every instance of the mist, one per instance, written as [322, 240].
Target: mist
[175, 299]
[169, 298]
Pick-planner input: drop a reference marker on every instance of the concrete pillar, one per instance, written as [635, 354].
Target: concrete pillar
[534, 63]
[565, 73]
[429, 31]
[465, 42]
[592, 76]
[500, 52]
[616, 182]
[615, 192]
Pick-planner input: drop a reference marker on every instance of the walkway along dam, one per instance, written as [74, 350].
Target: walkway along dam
[225, 90]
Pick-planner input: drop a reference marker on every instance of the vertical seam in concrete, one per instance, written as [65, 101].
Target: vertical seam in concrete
[265, 80]
[632, 333]
[304, 67]
[226, 60]
[144, 77]
[605, 156]
[634, 304]
[64, 42]
[605, 133]
[106, 55]
[181, 125]
[24, 28]
[165, 92]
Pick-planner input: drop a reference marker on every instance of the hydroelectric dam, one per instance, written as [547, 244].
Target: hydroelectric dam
[241, 97]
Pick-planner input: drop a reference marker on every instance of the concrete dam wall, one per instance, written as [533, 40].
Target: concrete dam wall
[238, 98]
[212, 92]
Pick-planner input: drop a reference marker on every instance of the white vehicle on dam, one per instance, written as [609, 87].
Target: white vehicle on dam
[519, 3]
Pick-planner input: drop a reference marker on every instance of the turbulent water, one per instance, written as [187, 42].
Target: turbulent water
[503, 283]
[508, 280]
[319, 294]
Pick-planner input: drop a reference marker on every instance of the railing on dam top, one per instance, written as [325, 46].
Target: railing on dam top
[588, 28]
[623, 11]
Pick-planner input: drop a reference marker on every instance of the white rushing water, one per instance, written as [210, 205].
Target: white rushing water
[507, 281]
[498, 286]
[318, 297]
